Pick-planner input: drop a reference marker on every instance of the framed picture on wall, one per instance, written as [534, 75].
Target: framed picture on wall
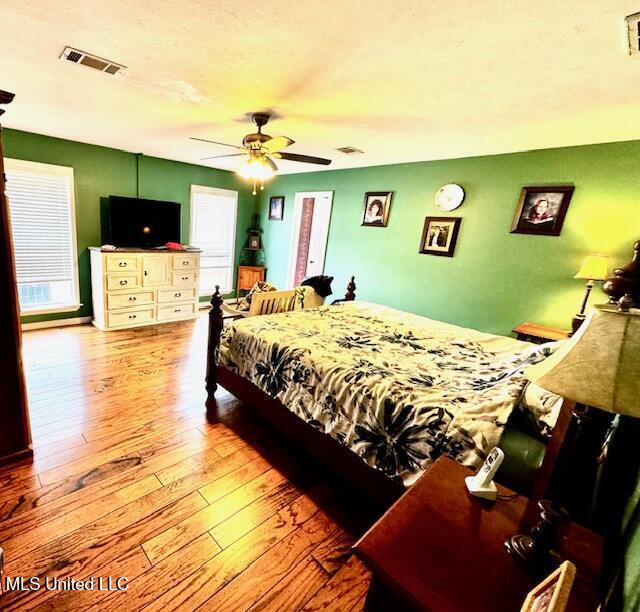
[439, 236]
[276, 208]
[375, 212]
[541, 210]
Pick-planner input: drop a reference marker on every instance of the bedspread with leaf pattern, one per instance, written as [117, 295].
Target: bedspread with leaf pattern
[397, 389]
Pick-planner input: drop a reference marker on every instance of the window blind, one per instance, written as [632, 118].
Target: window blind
[213, 229]
[42, 216]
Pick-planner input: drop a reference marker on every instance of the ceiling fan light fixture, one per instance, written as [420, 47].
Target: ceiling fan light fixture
[255, 169]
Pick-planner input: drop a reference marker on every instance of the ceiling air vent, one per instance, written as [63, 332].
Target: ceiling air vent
[350, 151]
[91, 61]
[633, 32]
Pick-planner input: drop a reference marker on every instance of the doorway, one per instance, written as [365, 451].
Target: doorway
[309, 235]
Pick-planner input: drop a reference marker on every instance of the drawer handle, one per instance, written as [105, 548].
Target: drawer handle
[133, 298]
[178, 310]
[123, 264]
[132, 316]
[185, 278]
[177, 295]
[185, 263]
[123, 282]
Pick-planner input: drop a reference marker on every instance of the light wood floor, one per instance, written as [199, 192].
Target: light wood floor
[129, 479]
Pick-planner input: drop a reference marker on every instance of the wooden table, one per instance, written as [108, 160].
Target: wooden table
[438, 548]
[533, 332]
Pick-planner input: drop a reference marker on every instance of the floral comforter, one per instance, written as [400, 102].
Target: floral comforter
[397, 389]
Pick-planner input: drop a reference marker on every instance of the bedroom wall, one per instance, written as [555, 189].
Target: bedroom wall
[496, 279]
[100, 172]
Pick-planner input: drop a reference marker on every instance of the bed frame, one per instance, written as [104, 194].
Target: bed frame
[339, 458]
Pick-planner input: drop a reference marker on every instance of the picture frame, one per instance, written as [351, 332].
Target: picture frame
[541, 210]
[440, 235]
[552, 594]
[375, 211]
[254, 242]
[276, 208]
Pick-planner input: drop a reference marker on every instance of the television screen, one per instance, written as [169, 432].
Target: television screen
[142, 223]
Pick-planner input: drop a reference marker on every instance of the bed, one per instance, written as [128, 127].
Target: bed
[379, 393]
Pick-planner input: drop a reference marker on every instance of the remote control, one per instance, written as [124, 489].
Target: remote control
[482, 485]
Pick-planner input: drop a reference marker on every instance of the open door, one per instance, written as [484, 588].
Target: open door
[15, 437]
[309, 235]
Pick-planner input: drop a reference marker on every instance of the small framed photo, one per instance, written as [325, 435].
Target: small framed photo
[552, 594]
[276, 208]
[439, 236]
[254, 242]
[541, 210]
[376, 208]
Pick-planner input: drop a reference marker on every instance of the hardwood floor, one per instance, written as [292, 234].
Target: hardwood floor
[129, 478]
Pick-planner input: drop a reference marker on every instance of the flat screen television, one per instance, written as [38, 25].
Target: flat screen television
[133, 222]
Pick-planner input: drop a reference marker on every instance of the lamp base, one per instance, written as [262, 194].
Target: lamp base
[576, 322]
[535, 550]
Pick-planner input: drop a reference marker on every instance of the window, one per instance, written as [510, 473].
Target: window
[42, 214]
[213, 229]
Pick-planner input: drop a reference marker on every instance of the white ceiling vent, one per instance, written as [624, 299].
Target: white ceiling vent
[91, 61]
[633, 32]
[350, 151]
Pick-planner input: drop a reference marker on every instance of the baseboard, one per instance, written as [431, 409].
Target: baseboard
[26, 453]
[56, 323]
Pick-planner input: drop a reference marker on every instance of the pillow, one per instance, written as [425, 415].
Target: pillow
[259, 287]
[321, 284]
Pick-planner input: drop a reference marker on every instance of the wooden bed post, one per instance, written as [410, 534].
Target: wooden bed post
[213, 348]
[350, 295]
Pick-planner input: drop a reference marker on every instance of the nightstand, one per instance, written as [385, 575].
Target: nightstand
[248, 276]
[439, 548]
[532, 332]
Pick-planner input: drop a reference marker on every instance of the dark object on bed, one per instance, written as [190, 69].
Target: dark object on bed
[625, 280]
[347, 464]
[321, 284]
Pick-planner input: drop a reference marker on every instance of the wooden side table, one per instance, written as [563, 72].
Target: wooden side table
[248, 276]
[439, 548]
[532, 332]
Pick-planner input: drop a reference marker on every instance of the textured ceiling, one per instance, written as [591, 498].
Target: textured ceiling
[404, 81]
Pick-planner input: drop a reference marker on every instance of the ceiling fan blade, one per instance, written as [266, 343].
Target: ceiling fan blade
[308, 159]
[224, 144]
[277, 144]
[271, 163]
[218, 156]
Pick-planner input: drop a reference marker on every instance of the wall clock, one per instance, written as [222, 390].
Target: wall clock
[449, 197]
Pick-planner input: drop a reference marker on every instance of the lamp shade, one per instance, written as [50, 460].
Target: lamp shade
[600, 365]
[594, 267]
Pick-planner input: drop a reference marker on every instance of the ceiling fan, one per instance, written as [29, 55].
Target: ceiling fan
[260, 150]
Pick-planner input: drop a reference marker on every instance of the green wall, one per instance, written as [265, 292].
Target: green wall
[496, 279]
[101, 171]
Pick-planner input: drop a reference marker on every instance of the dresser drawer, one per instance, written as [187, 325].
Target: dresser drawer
[176, 295]
[185, 262]
[122, 281]
[181, 278]
[130, 317]
[127, 300]
[122, 263]
[176, 311]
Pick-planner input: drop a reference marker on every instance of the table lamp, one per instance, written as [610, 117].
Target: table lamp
[598, 367]
[594, 268]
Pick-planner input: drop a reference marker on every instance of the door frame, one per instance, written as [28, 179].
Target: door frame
[295, 230]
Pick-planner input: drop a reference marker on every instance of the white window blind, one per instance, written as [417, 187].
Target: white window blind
[213, 229]
[42, 215]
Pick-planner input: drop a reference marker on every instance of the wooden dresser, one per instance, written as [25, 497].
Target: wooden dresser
[137, 287]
